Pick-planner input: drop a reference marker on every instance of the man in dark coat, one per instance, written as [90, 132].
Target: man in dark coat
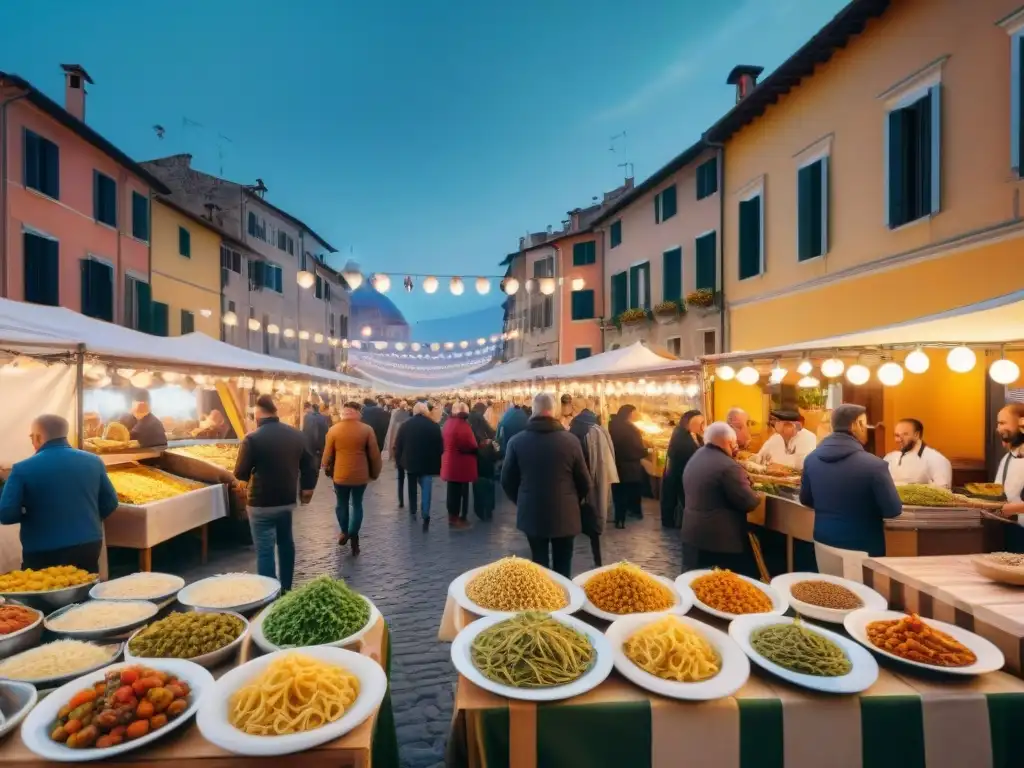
[418, 448]
[511, 424]
[850, 490]
[546, 476]
[718, 497]
[686, 439]
[378, 419]
[142, 423]
[314, 427]
[629, 451]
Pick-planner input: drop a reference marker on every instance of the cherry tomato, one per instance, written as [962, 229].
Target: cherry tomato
[157, 721]
[145, 710]
[137, 730]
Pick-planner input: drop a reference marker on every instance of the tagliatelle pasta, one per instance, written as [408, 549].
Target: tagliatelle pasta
[672, 650]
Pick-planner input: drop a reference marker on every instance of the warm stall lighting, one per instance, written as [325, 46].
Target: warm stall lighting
[289, 333]
[430, 284]
[805, 368]
[483, 286]
[748, 375]
[230, 318]
[254, 324]
[917, 361]
[366, 331]
[725, 373]
[381, 282]
[961, 359]
[456, 286]
[124, 373]
[858, 374]
[692, 390]
[832, 368]
[547, 285]
[142, 379]
[353, 277]
[305, 279]
[273, 329]
[808, 382]
[318, 338]
[578, 283]
[890, 374]
[511, 286]
[304, 335]
[171, 377]
[1004, 371]
[95, 369]
[778, 373]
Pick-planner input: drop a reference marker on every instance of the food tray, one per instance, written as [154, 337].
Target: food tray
[47, 683]
[1003, 574]
[268, 647]
[105, 632]
[51, 600]
[208, 660]
[784, 583]
[96, 593]
[273, 590]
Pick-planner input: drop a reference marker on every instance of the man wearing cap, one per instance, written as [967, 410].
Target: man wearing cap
[916, 462]
[790, 444]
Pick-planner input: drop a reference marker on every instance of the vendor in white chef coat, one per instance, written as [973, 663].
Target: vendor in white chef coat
[916, 462]
[790, 444]
[1010, 473]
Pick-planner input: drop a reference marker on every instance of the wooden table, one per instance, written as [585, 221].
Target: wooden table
[356, 749]
[948, 588]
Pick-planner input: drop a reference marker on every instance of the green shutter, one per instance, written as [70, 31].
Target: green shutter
[668, 203]
[144, 306]
[619, 293]
[184, 242]
[582, 305]
[707, 259]
[160, 320]
[672, 275]
[897, 184]
[188, 322]
[750, 237]
[809, 211]
[646, 269]
[140, 217]
[584, 253]
[657, 208]
[616, 233]
[634, 287]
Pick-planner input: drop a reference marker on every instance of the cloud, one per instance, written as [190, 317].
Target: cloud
[694, 58]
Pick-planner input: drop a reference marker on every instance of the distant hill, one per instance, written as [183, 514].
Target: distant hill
[482, 322]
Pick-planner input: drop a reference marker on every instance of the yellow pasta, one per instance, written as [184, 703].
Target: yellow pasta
[672, 650]
[294, 694]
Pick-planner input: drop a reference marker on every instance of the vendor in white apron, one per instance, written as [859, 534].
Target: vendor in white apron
[916, 462]
[790, 444]
[1010, 472]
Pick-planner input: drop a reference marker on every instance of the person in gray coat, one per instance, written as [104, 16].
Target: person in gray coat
[718, 497]
[546, 476]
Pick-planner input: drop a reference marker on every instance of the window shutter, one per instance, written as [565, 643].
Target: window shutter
[582, 305]
[140, 217]
[252, 224]
[897, 185]
[160, 320]
[32, 161]
[706, 258]
[144, 306]
[657, 208]
[809, 215]
[184, 242]
[97, 194]
[51, 169]
[615, 233]
[750, 237]
[645, 270]
[934, 107]
[277, 280]
[668, 203]
[619, 293]
[634, 287]
[672, 275]
[188, 322]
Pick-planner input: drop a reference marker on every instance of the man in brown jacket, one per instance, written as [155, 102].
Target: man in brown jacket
[351, 459]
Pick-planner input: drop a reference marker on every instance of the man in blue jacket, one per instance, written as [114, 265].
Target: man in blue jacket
[61, 497]
[850, 490]
[512, 423]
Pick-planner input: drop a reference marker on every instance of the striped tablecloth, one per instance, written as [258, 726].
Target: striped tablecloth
[903, 721]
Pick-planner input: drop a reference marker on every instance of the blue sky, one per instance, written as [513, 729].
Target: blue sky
[425, 137]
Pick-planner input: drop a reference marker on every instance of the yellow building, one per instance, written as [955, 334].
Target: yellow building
[185, 271]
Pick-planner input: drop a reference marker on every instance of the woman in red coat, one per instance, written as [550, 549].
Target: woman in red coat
[458, 464]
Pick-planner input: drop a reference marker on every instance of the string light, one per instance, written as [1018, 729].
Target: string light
[510, 286]
[890, 374]
[230, 318]
[304, 335]
[456, 286]
[547, 286]
[748, 375]
[254, 324]
[289, 333]
[366, 331]
[961, 359]
[808, 382]
[318, 338]
[305, 279]
[353, 277]
[381, 282]
[725, 373]
[578, 283]
[805, 368]
[1004, 371]
[463, 344]
[917, 361]
[483, 286]
[832, 368]
[272, 328]
[778, 373]
[858, 375]
[430, 284]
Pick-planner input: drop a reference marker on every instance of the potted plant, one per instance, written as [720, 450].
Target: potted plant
[703, 298]
[632, 318]
[668, 311]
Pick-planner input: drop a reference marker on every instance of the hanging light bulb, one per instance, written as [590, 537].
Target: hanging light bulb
[416, 346]
[353, 277]
[483, 286]
[430, 284]
[456, 286]
[366, 331]
[510, 285]
[691, 390]
[142, 379]
[357, 344]
[858, 374]
[808, 382]
[1004, 371]
[778, 373]
[961, 359]
[531, 285]
[304, 335]
[104, 382]
[318, 338]
[230, 318]
[748, 375]
[273, 329]
[381, 282]
[305, 278]
[434, 347]
[171, 377]
[399, 345]
[481, 341]
[332, 341]
[344, 343]
[578, 283]
[917, 361]
[890, 374]
[805, 367]
[124, 373]
[463, 344]
[254, 324]
[832, 368]
[448, 345]
[725, 373]
[381, 345]
[547, 285]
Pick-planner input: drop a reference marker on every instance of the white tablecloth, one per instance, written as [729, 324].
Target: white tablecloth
[141, 527]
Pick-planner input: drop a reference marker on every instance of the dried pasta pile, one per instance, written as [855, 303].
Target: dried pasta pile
[725, 591]
[514, 584]
[672, 650]
[625, 588]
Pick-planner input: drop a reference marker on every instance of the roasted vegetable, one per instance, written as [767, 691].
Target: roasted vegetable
[916, 495]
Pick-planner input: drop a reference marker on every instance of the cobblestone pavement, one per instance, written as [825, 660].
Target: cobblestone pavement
[406, 573]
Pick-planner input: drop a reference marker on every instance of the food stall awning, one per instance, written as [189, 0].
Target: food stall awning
[995, 321]
[517, 369]
[634, 360]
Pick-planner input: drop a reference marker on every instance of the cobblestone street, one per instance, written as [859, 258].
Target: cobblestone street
[406, 573]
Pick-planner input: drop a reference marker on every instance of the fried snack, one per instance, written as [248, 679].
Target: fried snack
[724, 591]
[514, 584]
[45, 579]
[910, 638]
[985, 489]
[143, 485]
[626, 588]
[919, 495]
[224, 455]
[825, 594]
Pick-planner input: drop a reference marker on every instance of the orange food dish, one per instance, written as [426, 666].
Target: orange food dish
[724, 591]
[15, 617]
[910, 638]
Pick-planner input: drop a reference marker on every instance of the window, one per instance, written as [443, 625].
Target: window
[542, 313]
[272, 275]
[584, 253]
[582, 353]
[1017, 98]
[286, 243]
[42, 165]
[674, 344]
[184, 242]
[665, 204]
[615, 234]
[912, 147]
[330, 323]
[751, 236]
[583, 305]
[138, 304]
[710, 341]
[707, 178]
[41, 269]
[672, 275]
[257, 227]
[544, 267]
[140, 217]
[640, 286]
[159, 324]
[706, 258]
[327, 291]
[104, 199]
[188, 322]
[812, 209]
[97, 290]
[318, 287]
[230, 259]
[620, 293]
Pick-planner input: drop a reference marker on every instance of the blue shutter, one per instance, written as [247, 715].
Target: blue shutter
[277, 280]
[184, 242]
[582, 305]
[668, 203]
[620, 292]
[706, 272]
[672, 275]
[140, 217]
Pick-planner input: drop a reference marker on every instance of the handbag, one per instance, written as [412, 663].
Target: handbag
[588, 519]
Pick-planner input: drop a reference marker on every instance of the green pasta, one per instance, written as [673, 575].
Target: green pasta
[798, 649]
[532, 650]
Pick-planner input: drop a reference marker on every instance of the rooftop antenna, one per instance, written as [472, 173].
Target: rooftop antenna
[617, 137]
[629, 169]
[221, 138]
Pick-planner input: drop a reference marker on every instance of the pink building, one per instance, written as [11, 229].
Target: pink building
[74, 209]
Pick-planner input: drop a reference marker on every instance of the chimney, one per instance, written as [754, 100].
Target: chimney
[75, 78]
[744, 77]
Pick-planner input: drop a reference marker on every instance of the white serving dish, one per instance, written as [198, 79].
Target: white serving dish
[268, 647]
[97, 592]
[457, 590]
[862, 676]
[51, 599]
[990, 658]
[207, 660]
[593, 677]
[734, 671]
[97, 634]
[35, 733]
[48, 683]
[779, 602]
[785, 581]
[213, 713]
[16, 701]
[23, 639]
[682, 605]
[273, 590]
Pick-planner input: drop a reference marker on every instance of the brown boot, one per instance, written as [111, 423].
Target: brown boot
[343, 540]
[355, 546]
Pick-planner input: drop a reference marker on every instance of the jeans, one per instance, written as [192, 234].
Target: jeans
[561, 553]
[401, 487]
[422, 484]
[273, 528]
[85, 556]
[458, 500]
[344, 493]
[626, 498]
